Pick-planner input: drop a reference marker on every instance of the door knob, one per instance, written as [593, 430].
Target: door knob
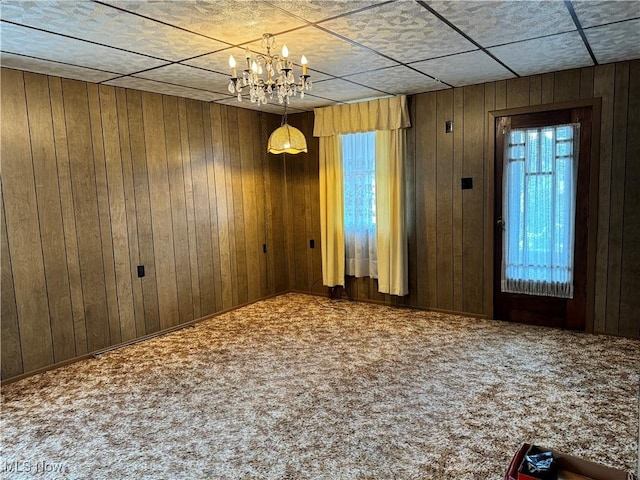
[500, 223]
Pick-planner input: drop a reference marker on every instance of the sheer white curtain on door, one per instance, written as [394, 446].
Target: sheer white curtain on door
[358, 158]
[540, 176]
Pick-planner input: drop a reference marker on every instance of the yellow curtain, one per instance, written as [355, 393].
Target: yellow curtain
[390, 213]
[383, 114]
[388, 117]
[331, 210]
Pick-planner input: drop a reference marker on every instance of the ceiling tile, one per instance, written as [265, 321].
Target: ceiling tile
[309, 102]
[548, 54]
[494, 23]
[397, 80]
[56, 69]
[319, 10]
[592, 13]
[614, 43]
[90, 21]
[464, 69]
[186, 76]
[338, 89]
[163, 88]
[269, 107]
[404, 31]
[234, 21]
[328, 53]
[49, 46]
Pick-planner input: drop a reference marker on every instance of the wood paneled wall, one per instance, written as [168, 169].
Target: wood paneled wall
[97, 180]
[448, 227]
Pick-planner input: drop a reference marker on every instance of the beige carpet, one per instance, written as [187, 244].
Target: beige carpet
[289, 388]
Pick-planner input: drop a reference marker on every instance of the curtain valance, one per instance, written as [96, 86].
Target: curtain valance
[389, 113]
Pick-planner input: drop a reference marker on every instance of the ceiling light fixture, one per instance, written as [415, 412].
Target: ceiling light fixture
[286, 139]
[279, 81]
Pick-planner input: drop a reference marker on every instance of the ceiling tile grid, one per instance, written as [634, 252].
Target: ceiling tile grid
[233, 21]
[615, 42]
[48, 46]
[46, 67]
[187, 76]
[404, 31]
[494, 23]
[464, 69]
[591, 13]
[137, 83]
[356, 48]
[342, 90]
[397, 80]
[545, 54]
[89, 21]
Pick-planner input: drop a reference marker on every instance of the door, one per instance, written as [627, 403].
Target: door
[541, 308]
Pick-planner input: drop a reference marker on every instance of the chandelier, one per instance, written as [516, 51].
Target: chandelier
[278, 81]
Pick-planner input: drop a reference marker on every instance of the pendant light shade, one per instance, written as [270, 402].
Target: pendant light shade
[287, 139]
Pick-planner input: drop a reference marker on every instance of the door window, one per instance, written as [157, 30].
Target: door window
[539, 184]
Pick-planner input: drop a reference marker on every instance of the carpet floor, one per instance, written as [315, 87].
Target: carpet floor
[298, 387]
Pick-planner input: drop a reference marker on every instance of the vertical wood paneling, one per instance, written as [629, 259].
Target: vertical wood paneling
[247, 175]
[23, 229]
[456, 188]
[410, 202]
[68, 215]
[307, 120]
[234, 182]
[422, 149]
[586, 82]
[629, 299]
[130, 207]
[190, 209]
[50, 215]
[102, 195]
[548, 80]
[97, 180]
[11, 355]
[143, 211]
[473, 200]
[92, 187]
[118, 214]
[618, 161]
[604, 87]
[444, 201]
[517, 92]
[229, 125]
[160, 201]
[200, 159]
[178, 208]
[535, 90]
[259, 180]
[489, 139]
[566, 85]
[218, 119]
[85, 201]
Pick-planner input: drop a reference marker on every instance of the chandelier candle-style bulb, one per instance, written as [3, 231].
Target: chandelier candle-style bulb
[232, 64]
[269, 75]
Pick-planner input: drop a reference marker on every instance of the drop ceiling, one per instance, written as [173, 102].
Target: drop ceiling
[356, 49]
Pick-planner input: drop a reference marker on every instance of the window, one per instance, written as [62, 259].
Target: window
[359, 170]
[539, 204]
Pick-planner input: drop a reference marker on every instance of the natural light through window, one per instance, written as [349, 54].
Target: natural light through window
[539, 206]
[358, 164]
